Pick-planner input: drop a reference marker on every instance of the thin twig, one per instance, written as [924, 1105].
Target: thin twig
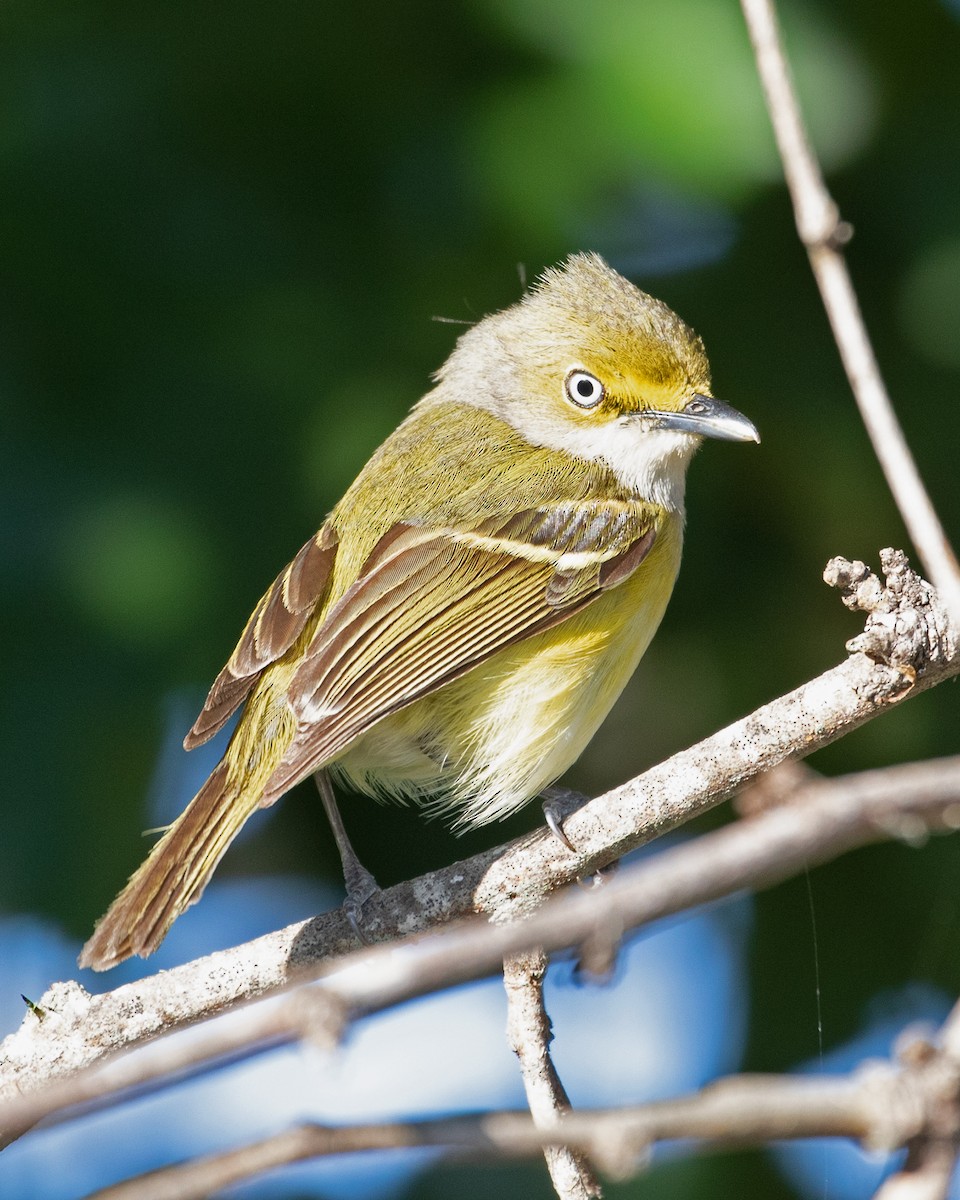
[823, 233]
[529, 1034]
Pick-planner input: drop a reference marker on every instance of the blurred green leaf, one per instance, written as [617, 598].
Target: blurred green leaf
[136, 567]
[669, 89]
[930, 304]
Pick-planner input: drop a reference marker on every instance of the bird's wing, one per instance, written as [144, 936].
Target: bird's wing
[430, 604]
[275, 624]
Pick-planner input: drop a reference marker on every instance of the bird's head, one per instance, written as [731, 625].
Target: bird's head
[588, 364]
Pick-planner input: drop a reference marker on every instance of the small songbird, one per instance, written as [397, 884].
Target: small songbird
[470, 610]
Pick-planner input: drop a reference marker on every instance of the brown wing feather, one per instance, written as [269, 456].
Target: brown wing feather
[430, 604]
[275, 624]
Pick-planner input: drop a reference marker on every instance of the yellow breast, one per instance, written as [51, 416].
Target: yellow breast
[484, 745]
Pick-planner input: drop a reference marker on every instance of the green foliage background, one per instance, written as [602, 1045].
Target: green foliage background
[224, 231]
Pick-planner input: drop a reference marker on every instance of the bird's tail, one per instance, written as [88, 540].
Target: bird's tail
[174, 875]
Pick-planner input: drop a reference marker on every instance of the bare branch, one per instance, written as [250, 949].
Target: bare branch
[877, 1105]
[950, 1034]
[932, 1071]
[823, 233]
[304, 1014]
[820, 823]
[726, 1113]
[529, 1034]
[926, 1175]
[905, 627]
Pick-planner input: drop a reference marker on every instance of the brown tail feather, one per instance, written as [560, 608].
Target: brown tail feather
[173, 876]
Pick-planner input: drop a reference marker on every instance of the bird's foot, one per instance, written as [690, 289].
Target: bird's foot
[361, 887]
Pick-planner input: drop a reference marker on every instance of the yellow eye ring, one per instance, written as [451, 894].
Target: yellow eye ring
[583, 389]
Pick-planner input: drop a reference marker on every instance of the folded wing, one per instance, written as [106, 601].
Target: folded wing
[275, 624]
[430, 604]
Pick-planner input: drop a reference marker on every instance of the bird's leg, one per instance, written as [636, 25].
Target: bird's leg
[558, 803]
[360, 884]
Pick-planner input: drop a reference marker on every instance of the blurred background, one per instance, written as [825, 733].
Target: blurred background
[226, 231]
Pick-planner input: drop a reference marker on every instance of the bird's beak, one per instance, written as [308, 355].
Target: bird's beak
[705, 417]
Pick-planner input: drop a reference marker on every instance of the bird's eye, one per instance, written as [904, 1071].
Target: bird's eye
[583, 389]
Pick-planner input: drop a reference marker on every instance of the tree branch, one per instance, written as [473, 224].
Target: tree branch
[883, 1105]
[821, 821]
[823, 233]
[302, 1015]
[529, 1034]
[934, 1146]
[906, 628]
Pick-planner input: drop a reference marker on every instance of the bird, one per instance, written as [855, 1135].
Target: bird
[466, 616]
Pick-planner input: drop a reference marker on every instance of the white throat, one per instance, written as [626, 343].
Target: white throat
[651, 462]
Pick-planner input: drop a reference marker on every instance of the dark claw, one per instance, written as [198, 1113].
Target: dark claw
[354, 914]
[361, 886]
[554, 819]
[558, 804]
